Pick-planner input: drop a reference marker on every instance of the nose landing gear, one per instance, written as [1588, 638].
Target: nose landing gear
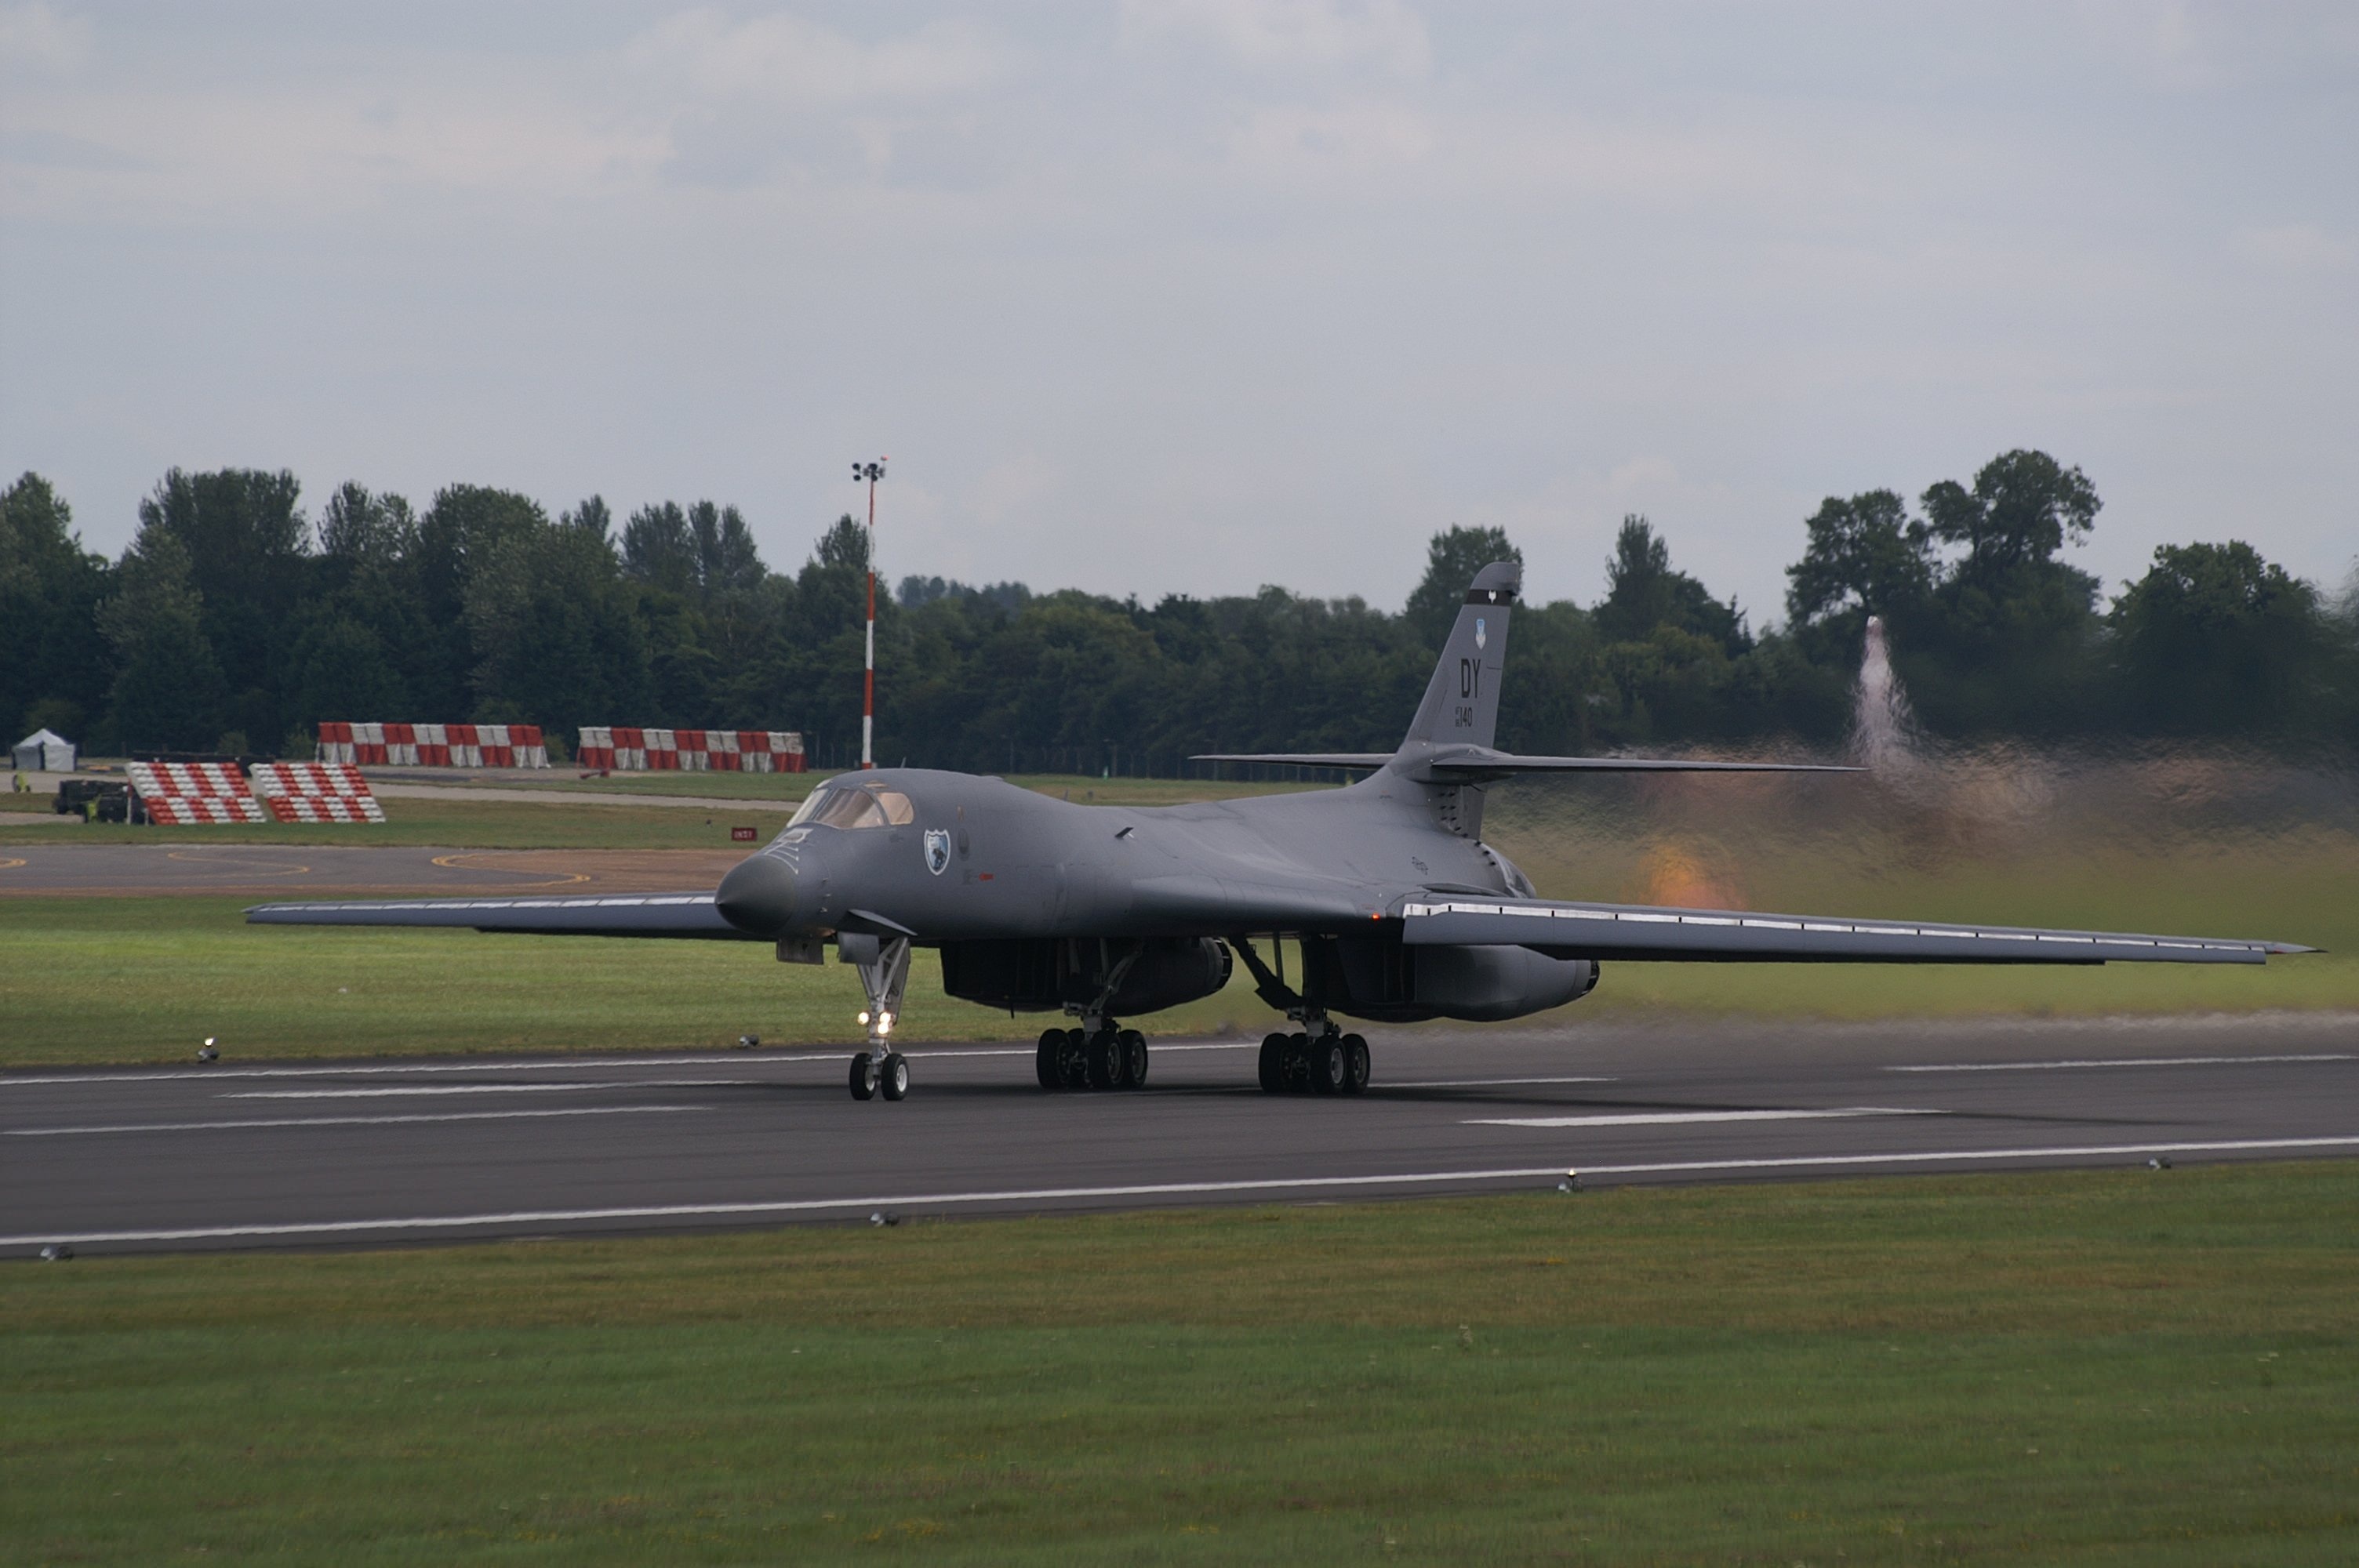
[885, 974]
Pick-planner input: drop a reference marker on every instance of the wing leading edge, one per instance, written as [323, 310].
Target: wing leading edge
[1728, 935]
[612, 914]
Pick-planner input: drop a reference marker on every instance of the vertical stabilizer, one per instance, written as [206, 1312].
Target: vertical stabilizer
[1461, 705]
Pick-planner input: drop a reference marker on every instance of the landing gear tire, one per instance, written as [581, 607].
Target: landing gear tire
[1073, 1060]
[1356, 1064]
[1330, 1065]
[1044, 1060]
[1273, 1065]
[1297, 1063]
[1130, 1047]
[895, 1080]
[1104, 1059]
[864, 1077]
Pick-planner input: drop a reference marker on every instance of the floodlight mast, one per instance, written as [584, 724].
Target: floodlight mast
[872, 472]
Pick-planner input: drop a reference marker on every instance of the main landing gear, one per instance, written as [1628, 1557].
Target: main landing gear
[1323, 1061]
[883, 974]
[1101, 1054]
[1106, 1056]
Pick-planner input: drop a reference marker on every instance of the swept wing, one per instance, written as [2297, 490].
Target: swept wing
[1732, 936]
[1470, 764]
[608, 915]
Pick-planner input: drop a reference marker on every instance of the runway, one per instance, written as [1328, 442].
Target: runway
[354, 870]
[407, 1150]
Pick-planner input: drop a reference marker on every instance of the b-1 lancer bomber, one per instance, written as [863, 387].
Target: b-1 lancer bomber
[1398, 908]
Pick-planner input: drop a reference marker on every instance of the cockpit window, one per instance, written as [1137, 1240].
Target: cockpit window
[856, 805]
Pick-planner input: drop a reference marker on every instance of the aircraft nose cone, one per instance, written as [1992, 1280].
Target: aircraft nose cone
[757, 896]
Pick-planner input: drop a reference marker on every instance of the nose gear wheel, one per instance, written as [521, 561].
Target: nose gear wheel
[883, 977]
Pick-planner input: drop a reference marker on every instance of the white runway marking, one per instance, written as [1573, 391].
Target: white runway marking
[353, 1120]
[905, 1201]
[1677, 1117]
[1485, 1083]
[833, 1059]
[2117, 1062]
[410, 1091]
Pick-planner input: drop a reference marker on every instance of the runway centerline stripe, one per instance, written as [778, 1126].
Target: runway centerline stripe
[351, 1120]
[2117, 1062]
[832, 1060]
[1678, 1117]
[1485, 1083]
[1156, 1189]
[410, 1091]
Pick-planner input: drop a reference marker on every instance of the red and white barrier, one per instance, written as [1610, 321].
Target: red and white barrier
[630, 749]
[433, 745]
[316, 791]
[188, 795]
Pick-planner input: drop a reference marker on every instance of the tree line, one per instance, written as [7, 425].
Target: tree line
[236, 620]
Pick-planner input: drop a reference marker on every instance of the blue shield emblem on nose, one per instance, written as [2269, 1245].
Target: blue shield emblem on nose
[938, 849]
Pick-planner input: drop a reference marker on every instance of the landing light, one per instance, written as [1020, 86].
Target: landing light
[864, 1018]
[884, 1023]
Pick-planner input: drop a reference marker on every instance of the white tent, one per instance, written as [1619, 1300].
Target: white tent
[45, 752]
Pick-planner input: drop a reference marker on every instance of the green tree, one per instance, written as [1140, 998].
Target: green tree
[2215, 639]
[248, 547]
[54, 665]
[555, 632]
[357, 526]
[2007, 641]
[2023, 507]
[1865, 556]
[1451, 559]
[726, 558]
[169, 691]
[658, 548]
[343, 669]
[1643, 592]
[464, 527]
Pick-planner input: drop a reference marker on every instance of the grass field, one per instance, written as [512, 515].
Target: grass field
[2151, 1367]
[130, 979]
[2169, 849]
[124, 980]
[455, 822]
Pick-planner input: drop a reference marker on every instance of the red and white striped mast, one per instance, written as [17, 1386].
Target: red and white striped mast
[872, 472]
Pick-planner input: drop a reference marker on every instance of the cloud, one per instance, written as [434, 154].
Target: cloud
[2297, 247]
[730, 103]
[1383, 35]
[35, 38]
[1296, 140]
[787, 60]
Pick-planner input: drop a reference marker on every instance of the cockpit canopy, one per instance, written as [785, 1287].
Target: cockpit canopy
[842, 803]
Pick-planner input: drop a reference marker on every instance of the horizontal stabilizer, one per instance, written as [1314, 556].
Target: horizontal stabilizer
[1301, 759]
[1724, 935]
[612, 914]
[1473, 761]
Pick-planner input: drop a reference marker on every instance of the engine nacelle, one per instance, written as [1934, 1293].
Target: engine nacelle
[1046, 974]
[1393, 982]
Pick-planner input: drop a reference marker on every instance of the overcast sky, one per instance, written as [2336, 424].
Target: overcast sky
[1172, 296]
